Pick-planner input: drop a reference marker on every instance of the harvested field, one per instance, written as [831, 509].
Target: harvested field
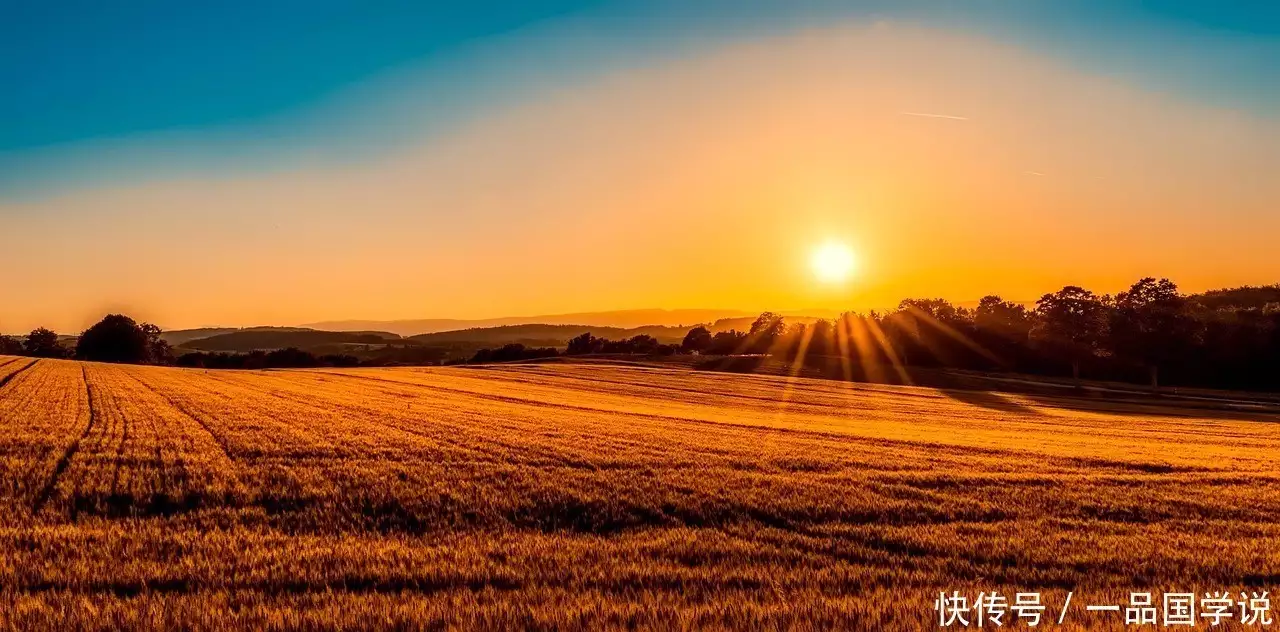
[565, 496]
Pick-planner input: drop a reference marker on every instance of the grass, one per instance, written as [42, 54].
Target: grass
[564, 496]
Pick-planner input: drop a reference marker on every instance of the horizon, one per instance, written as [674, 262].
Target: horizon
[566, 157]
[596, 315]
[599, 318]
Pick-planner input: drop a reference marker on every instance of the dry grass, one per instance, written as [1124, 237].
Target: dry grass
[588, 497]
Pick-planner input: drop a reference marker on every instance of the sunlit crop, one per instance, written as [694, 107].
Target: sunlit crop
[576, 496]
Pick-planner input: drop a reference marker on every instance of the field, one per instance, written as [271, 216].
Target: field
[596, 496]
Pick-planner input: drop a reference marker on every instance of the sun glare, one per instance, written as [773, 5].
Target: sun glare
[833, 262]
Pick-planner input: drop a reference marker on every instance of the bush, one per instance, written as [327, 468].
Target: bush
[514, 351]
[11, 346]
[118, 338]
[43, 343]
[290, 358]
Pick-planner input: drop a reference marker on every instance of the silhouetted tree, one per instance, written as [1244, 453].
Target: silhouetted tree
[10, 346]
[584, 344]
[934, 332]
[807, 343]
[510, 352]
[1004, 328]
[936, 309]
[1150, 324]
[728, 342]
[158, 348]
[641, 343]
[1227, 337]
[1072, 322]
[118, 338]
[822, 338]
[765, 331]
[1002, 318]
[290, 358]
[278, 359]
[697, 340]
[43, 343]
[339, 360]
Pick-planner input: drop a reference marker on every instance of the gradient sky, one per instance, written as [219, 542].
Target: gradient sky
[282, 162]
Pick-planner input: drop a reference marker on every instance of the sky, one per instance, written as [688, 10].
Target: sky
[285, 162]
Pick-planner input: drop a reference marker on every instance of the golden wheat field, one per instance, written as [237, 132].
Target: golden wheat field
[575, 496]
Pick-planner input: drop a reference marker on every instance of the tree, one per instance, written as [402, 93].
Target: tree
[42, 343]
[766, 329]
[727, 343]
[999, 317]
[583, 344]
[1071, 324]
[937, 309]
[642, 343]
[933, 331]
[118, 338]
[10, 346]
[1150, 324]
[512, 351]
[804, 342]
[822, 338]
[292, 358]
[1004, 327]
[158, 348]
[698, 340]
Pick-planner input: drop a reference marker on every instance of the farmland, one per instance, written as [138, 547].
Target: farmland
[576, 496]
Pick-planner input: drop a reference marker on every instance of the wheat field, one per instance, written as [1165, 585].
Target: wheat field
[574, 496]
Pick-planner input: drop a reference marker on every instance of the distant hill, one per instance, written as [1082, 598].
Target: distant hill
[252, 339]
[457, 341]
[744, 323]
[623, 319]
[540, 335]
[179, 337]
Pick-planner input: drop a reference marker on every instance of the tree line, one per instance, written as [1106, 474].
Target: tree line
[115, 338]
[584, 344]
[1150, 332]
[287, 358]
[120, 339]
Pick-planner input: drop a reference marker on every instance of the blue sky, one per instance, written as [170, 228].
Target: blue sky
[233, 163]
[100, 92]
[83, 70]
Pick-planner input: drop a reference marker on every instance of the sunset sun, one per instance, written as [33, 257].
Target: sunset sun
[833, 262]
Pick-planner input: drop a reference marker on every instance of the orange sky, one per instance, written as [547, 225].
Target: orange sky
[701, 182]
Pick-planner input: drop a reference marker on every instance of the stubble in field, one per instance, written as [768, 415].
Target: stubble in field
[587, 497]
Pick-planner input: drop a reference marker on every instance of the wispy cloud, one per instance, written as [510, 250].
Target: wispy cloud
[932, 115]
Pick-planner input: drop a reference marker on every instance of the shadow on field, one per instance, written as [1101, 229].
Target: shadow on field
[989, 399]
[991, 391]
[1152, 406]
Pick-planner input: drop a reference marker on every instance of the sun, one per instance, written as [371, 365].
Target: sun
[833, 262]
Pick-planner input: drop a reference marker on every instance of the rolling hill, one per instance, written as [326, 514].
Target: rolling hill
[270, 338]
[545, 335]
[621, 319]
[180, 337]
